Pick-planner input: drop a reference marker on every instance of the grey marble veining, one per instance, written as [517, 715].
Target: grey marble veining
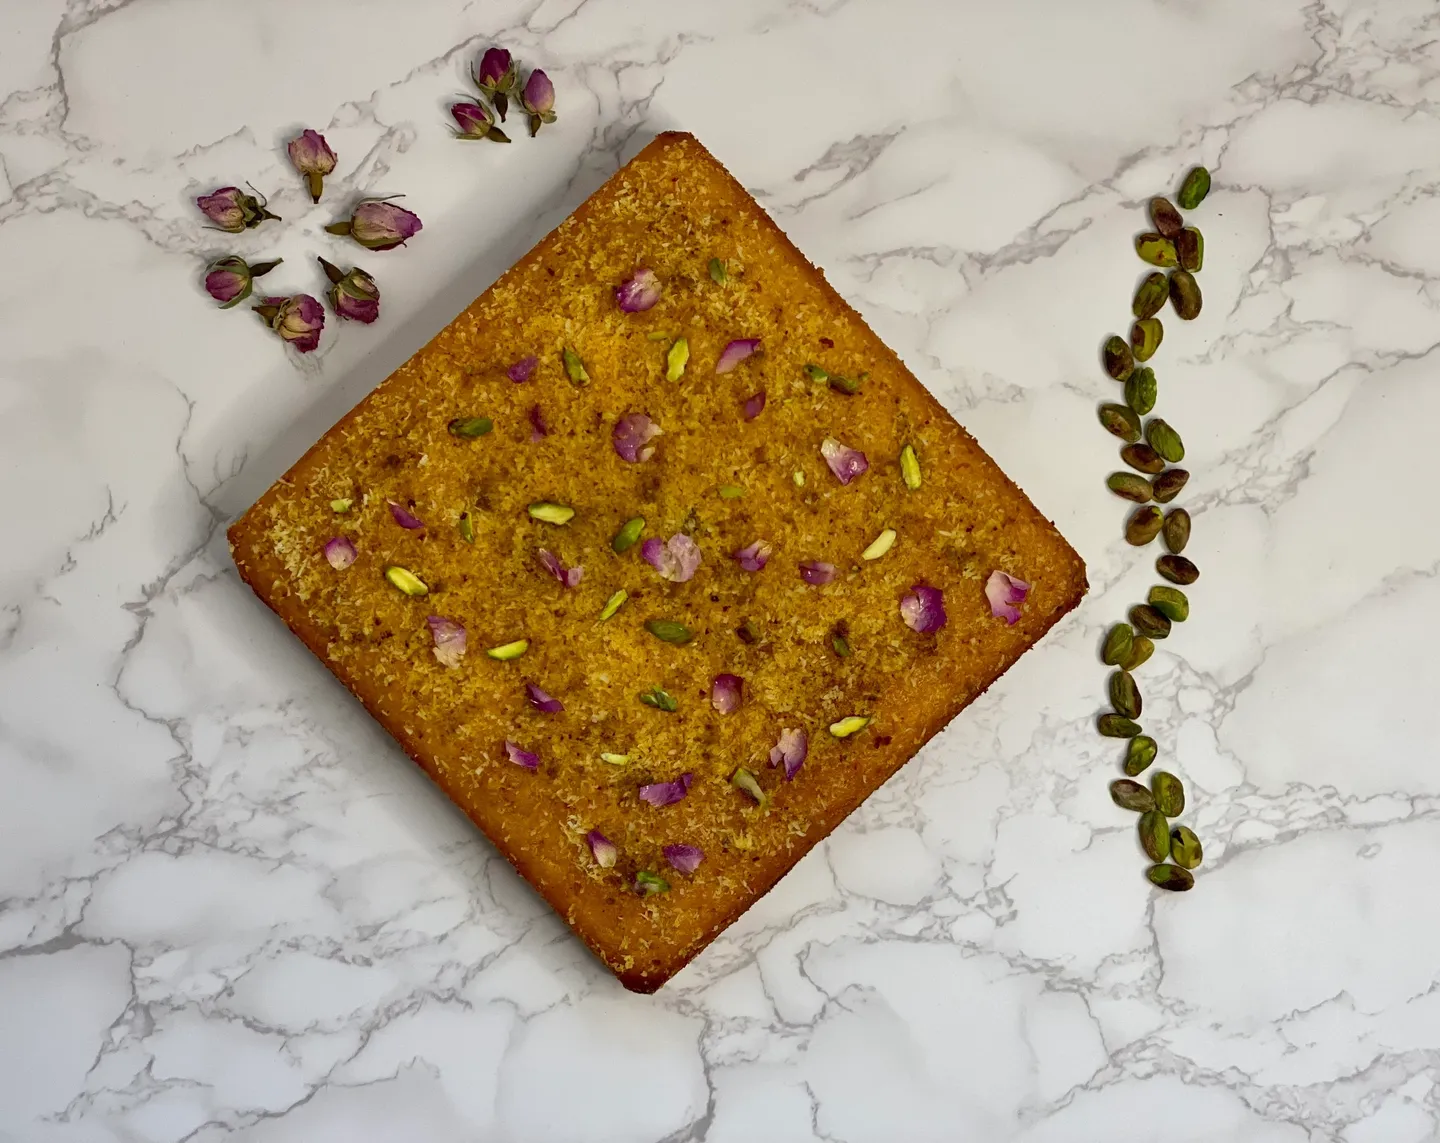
[230, 909]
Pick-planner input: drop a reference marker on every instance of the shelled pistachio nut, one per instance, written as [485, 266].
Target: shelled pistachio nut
[1177, 569]
[1156, 249]
[1171, 877]
[1141, 648]
[1143, 458]
[1171, 602]
[1144, 525]
[1185, 295]
[1166, 218]
[1118, 644]
[1169, 793]
[1141, 390]
[1140, 751]
[1168, 484]
[1177, 529]
[1190, 246]
[1119, 361]
[1194, 189]
[1185, 849]
[1124, 694]
[1155, 835]
[1145, 338]
[1130, 795]
[1129, 486]
[1120, 421]
[1149, 622]
[1164, 440]
[1150, 296]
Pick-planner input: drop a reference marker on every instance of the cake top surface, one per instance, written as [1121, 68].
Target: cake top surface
[759, 452]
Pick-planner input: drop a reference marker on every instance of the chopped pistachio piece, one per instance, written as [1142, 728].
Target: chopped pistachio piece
[628, 535]
[341, 505]
[848, 726]
[669, 631]
[675, 360]
[658, 335]
[815, 373]
[469, 428]
[406, 581]
[660, 700]
[910, 467]
[648, 884]
[507, 651]
[748, 632]
[880, 545]
[798, 476]
[615, 759]
[840, 643]
[845, 384]
[551, 512]
[613, 604]
[574, 367]
[731, 492]
[718, 273]
[467, 529]
[742, 779]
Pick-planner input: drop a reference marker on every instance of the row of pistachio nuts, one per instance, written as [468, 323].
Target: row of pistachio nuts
[1181, 249]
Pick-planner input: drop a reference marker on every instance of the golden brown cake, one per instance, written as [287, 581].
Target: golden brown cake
[589, 802]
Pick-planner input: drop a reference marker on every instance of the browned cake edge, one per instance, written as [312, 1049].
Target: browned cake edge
[261, 569]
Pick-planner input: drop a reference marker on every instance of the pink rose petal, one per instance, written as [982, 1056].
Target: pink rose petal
[639, 292]
[602, 849]
[1004, 592]
[923, 608]
[677, 559]
[541, 701]
[522, 369]
[755, 405]
[568, 577]
[403, 518]
[632, 436]
[790, 750]
[340, 552]
[684, 858]
[736, 352]
[538, 428]
[816, 573]
[725, 693]
[666, 793]
[754, 557]
[521, 757]
[449, 639]
[845, 462]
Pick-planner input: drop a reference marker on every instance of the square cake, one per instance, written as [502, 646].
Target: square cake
[657, 561]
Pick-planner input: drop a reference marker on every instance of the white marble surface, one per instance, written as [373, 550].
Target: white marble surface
[229, 908]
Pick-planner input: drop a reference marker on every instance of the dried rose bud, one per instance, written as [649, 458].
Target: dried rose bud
[313, 158]
[754, 557]
[229, 280]
[476, 122]
[496, 78]
[378, 224]
[355, 295]
[1005, 593]
[539, 99]
[449, 636]
[632, 435]
[297, 319]
[923, 608]
[234, 211]
[639, 292]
